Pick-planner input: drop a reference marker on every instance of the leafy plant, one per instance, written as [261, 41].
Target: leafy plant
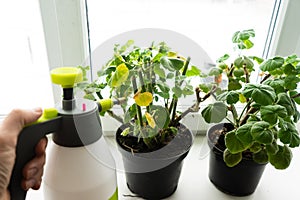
[152, 80]
[266, 126]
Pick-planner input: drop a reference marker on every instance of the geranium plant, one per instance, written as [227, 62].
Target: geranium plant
[152, 80]
[264, 114]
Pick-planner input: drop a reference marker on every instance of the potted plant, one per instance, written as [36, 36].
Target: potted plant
[261, 117]
[152, 141]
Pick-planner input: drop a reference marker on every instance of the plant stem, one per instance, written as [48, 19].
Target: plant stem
[116, 117]
[175, 99]
[295, 96]
[196, 106]
[265, 78]
[138, 108]
[246, 74]
[245, 108]
[143, 86]
[247, 115]
[234, 114]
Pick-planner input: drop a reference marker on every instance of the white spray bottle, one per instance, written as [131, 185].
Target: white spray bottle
[79, 165]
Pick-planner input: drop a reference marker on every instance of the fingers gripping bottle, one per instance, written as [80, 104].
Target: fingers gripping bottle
[79, 164]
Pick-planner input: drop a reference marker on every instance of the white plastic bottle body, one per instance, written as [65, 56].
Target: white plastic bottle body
[80, 173]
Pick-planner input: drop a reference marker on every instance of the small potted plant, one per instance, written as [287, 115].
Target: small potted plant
[261, 117]
[152, 141]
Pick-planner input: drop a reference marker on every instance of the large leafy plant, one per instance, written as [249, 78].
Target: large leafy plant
[265, 127]
[151, 80]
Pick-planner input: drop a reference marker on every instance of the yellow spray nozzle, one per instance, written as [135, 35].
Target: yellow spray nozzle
[66, 76]
[105, 104]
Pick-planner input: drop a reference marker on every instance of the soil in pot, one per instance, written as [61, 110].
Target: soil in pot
[155, 174]
[240, 180]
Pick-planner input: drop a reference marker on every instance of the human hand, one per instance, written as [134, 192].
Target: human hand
[9, 131]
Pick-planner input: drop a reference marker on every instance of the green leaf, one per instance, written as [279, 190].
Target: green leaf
[177, 91]
[291, 59]
[282, 159]
[261, 94]
[296, 99]
[188, 90]
[272, 148]
[233, 143]
[289, 69]
[159, 71]
[125, 132]
[205, 87]
[285, 101]
[272, 64]
[130, 113]
[223, 58]
[255, 147]
[231, 97]
[230, 159]
[261, 157]
[193, 71]
[120, 75]
[214, 71]
[172, 63]
[261, 133]
[270, 113]
[288, 134]
[234, 84]
[243, 60]
[243, 133]
[291, 81]
[276, 84]
[161, 116]
[214, 113]
[239, 72]
[257, 59]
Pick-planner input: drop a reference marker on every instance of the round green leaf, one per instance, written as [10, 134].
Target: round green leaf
[159, 71]
[261, 133]
[172, 63]
[261, 94]
[261, 157]
[231, 97]
[214, 113]
[215, 71]
[160, 115]
[238, 72]
[233, 143]
[230, 159]
[272, 64]
[285, 101]
[282, 159]
[243, 133]
[272, 148]
[119, 76]
[241, 61]
[270, 113]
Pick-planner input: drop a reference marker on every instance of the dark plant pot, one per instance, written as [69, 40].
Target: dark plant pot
[155, 175]
[240, 180]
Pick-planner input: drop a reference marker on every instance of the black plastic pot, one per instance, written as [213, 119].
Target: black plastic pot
[155, 175]
[240, 180]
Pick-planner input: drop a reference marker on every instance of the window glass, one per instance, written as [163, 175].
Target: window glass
[210, 23]
[24, 76]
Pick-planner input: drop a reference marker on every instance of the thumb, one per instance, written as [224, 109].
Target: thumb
[17, 119]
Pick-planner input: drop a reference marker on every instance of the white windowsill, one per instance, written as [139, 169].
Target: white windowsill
[194, 182]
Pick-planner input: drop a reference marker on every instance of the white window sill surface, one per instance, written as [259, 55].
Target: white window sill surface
[194, 182]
